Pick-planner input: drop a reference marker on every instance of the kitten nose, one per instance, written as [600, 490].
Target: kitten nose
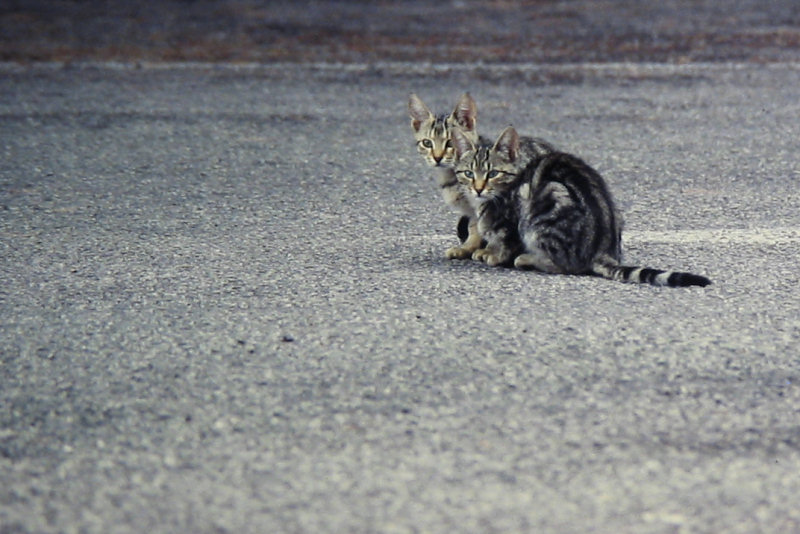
[479, 187]
[438, 159]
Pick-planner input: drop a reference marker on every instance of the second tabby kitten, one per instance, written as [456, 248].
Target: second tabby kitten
[434, 139]
[547, 211]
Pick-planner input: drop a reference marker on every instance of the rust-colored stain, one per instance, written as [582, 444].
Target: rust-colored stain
[543, 31]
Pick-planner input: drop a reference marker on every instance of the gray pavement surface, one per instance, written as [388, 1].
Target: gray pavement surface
[224, 307]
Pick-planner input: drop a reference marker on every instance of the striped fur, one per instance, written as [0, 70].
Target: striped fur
[433, 136]
[489, 183]
[548, 211]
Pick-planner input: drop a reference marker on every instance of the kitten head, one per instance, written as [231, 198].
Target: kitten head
[487, 172]
[433, 133]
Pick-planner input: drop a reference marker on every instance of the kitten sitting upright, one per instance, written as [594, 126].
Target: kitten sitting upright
[547, 211]
[434, 139]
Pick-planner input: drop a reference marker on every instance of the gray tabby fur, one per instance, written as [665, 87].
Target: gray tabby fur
[433, 136]
[547, 210]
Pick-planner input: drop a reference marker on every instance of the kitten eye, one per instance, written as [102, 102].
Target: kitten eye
[492, 174]
[427, 143]
[448, 144]
[469, 174]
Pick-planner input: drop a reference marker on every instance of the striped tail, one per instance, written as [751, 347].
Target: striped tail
[646, 275]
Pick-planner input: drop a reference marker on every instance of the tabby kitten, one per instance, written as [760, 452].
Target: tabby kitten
[547, 211]
[433, 135]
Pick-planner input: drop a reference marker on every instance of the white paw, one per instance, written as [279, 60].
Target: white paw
[487, 256]
[480, 254]
[492, 260]
[458, 253]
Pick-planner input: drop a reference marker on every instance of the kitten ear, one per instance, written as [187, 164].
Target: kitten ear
[466, 113]
[418, 110]
[461, 142]
[508, 143]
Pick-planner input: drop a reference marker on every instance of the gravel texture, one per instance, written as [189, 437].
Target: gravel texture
[224, 307]
[675, 31]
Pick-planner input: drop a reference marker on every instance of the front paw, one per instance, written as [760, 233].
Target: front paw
[488, 256]
[492, 260]
[458, 253]
[484, 255]
[479, 254]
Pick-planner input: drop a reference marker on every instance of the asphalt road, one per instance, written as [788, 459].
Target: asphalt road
[224, 307]
[542, 31]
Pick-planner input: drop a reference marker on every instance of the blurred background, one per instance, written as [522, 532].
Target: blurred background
[542, 31]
